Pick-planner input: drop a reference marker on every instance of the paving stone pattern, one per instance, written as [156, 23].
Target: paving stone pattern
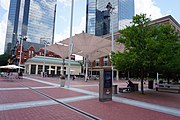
[18, 102]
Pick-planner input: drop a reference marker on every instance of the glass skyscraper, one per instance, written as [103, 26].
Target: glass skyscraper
[102, 23]
[91, 16]
[32, 18]
[125, 12]
[122, 14]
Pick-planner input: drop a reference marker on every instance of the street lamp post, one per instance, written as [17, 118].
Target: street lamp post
[22, 38]
[16, 43]
[45, 44]
[110, 9]
[70, 43]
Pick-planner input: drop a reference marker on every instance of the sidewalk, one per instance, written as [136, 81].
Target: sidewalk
[80, 102]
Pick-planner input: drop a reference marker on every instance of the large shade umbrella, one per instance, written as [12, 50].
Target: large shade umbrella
[11, 67]
[91, 47]
[61, 49]
[105, 51]
[87, 43]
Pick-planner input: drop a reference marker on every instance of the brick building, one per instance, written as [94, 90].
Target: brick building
[30, 50]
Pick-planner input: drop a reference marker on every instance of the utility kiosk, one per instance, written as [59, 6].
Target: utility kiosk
[105, 85]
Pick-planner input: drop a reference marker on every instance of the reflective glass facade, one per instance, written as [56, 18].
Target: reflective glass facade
[102, 23]
[122, 14]
[101, 5]
[12, 25]
[126, 12]
[32, 18]
[91, 16]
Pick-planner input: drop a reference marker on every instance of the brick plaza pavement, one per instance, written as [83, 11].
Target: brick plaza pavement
[37, 98]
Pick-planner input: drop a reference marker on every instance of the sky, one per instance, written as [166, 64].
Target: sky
[155, 8]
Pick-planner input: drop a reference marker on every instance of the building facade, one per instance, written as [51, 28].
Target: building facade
[122, 13]
[34, 19]
[30, 50]
[120, 17]
[53, 66]
[167, 20]
[102, 23]
[91, 16]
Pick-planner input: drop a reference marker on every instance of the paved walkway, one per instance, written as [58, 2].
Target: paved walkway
[41, 96]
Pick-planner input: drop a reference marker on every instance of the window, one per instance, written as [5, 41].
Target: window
[105, 63]
[32, 53]
[29, 53]
[97, 62]
[106, 57]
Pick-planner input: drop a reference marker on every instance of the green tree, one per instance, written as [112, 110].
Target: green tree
[169, 57]
[4, 59]
[145, 45]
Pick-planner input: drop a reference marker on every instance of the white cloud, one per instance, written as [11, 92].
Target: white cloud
[3, 26]
[4, 4]
[123, 23]
[81, 26]
[62, 18]
[61, 36]
[149, 7]
[65, 2]
[66, 34]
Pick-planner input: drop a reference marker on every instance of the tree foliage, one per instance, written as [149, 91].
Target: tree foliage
[148, 48]
[4, 59]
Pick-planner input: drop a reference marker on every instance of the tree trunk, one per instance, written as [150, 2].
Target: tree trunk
[142, 81]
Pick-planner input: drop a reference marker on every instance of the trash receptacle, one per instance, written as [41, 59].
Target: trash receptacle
[135, 87]
[114, 89]
[150, 84]
[62, 81]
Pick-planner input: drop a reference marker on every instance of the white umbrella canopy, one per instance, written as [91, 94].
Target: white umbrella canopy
[61, 49]
[91, 47]
[11, 67]
[105, 51]
[87, 43]
[2, 66]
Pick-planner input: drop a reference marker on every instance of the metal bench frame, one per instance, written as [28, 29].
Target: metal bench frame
[168, 89]
[128, 89]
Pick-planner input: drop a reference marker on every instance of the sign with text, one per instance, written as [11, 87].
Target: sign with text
[107, 79]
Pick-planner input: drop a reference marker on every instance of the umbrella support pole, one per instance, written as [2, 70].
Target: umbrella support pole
[86, 75]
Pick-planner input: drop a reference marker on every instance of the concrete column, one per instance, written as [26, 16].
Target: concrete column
[61, 70]
[117, 75]
[55, 70]
[49, 70]
[29, 69]
[157, 78]
[36, 70]
[86, 75]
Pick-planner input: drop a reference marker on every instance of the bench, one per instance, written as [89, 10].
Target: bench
[168, 88]
[127, 89]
